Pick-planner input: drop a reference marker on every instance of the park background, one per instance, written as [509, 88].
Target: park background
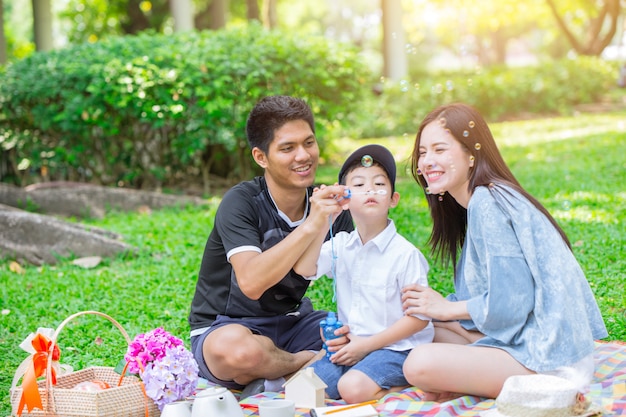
[122, 94]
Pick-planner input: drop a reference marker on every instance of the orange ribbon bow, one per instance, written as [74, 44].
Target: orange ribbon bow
[36, 368]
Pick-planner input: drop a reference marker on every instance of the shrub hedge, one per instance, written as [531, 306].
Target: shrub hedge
[153, 109]
[160, 110]
[500, 93]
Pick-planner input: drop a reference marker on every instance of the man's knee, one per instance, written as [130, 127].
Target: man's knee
[232, 346]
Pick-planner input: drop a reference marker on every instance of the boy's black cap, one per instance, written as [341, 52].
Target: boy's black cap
[379, 154]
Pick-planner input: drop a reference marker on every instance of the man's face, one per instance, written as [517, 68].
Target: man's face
[292, 157]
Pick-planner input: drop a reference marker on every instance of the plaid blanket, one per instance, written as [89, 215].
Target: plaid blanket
[607, 392]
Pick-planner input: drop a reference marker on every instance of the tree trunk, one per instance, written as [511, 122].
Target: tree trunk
[137, 20]
[3, 42]
[394, 52]
[253, 12]
[42, 24]
[182, 12]
[270, 14]
[498, 44]
[217, 11]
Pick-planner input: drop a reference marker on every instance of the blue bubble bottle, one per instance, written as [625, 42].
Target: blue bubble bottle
[328, 326]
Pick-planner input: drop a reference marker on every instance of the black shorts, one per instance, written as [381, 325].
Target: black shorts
[293, 332]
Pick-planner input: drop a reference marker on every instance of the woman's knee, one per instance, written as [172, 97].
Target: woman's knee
[418, 366]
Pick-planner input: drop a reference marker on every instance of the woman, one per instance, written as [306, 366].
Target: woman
[522, 304]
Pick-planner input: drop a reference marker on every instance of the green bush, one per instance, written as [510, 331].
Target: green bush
[155, 109]
[164, 110]
[499, 93]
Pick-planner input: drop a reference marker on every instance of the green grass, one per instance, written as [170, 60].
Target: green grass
[575, 166]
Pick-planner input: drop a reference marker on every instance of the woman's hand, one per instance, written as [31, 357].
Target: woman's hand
[417, 299]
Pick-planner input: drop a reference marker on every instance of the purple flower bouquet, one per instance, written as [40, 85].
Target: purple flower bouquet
[167, 369]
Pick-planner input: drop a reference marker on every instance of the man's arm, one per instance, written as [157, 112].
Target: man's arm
[256, 272]
[307, 264]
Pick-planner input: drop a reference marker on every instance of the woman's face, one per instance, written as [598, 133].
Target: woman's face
[444, 163]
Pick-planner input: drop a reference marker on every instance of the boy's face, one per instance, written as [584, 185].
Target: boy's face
[371, 195]
[292, 156]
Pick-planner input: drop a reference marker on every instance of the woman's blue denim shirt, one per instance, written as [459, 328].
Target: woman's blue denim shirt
[525, 291]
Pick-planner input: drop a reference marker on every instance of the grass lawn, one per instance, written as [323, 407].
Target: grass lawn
[575, 166]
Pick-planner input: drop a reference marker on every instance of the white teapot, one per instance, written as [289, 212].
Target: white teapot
[216, 402]
[177, 409]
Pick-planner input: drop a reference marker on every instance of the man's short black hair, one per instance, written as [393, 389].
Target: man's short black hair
[270, 114]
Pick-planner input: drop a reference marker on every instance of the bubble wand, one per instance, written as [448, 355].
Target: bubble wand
[333, 254]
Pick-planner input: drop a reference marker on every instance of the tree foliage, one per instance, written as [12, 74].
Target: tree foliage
[483, 32]
[98, 19]
[151, 109]
[589, 26]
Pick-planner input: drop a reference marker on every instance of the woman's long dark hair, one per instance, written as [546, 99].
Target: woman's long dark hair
[468, 127]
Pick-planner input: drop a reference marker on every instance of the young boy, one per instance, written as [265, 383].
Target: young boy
[370, 266]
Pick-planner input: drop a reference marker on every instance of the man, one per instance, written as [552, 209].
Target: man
[250, 322]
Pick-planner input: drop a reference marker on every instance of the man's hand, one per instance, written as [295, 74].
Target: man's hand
[329, 200]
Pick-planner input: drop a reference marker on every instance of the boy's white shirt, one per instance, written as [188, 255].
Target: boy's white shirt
[369, 281]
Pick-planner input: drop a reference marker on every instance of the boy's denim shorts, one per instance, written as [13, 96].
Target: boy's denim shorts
[382, 366]
[292, 332]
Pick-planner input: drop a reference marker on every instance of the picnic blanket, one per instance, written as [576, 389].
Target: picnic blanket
[606, 392]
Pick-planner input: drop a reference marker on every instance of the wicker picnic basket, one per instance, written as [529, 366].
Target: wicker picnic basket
[126, 397]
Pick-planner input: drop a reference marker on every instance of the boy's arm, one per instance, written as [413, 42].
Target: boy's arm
[401, 329]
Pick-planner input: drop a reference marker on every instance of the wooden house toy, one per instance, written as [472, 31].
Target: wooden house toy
[305, 389]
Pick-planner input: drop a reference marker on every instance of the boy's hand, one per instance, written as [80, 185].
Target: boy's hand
[352, 352]
[340, 341]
